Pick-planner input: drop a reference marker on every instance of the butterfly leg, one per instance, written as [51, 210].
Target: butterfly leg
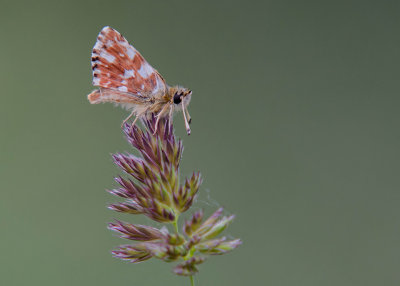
[171, 113]
[126, 119]
[137, 117]
[160, 114]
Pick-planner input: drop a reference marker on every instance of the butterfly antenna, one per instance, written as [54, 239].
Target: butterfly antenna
[188, 116]
[186, 122]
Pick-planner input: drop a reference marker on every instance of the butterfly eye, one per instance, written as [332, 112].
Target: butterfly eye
[177, 98]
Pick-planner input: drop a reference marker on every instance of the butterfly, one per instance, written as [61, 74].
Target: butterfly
[125, 78]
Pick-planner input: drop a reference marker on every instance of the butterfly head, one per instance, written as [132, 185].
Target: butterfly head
[181, 98]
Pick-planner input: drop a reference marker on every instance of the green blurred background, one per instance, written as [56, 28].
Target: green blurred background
[295, 129]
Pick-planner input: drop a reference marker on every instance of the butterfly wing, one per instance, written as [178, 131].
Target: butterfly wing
[121, 72]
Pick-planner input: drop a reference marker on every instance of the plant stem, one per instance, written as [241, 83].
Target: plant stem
[191, 280]
[175, 223]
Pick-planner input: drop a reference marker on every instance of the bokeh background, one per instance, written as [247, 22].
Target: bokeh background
[295, 130]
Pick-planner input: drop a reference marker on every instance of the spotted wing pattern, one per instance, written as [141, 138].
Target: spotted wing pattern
[117, 66]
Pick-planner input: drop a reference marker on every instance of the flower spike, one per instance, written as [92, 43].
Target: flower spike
[153, 187]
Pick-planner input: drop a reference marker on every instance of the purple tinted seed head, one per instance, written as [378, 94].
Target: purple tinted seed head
[152, 187]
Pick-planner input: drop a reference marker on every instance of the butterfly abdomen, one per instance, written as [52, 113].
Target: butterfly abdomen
[94, 97]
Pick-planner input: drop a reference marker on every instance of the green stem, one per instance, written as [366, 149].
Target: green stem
[175, 224]
[191, 280]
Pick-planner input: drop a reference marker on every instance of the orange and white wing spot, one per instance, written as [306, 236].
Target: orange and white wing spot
[129, 73]
[122, 88]
[145, 70]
